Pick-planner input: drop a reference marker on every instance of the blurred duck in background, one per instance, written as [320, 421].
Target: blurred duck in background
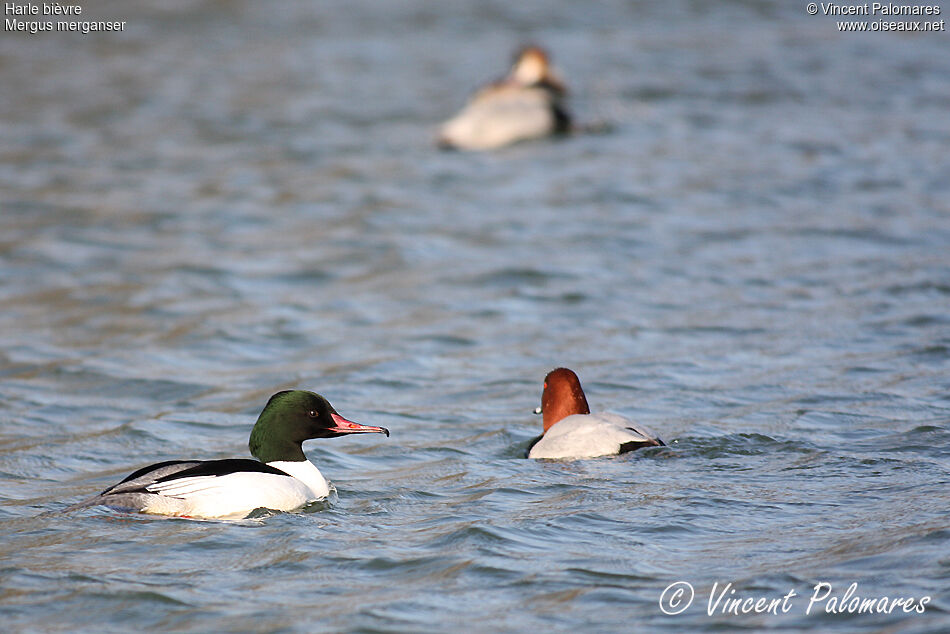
[527, 104]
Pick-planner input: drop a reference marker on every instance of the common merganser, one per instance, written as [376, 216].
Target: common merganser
[571, 431]
[282, 480]
[527, 104]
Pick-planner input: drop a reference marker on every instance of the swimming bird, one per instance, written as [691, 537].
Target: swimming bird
[527, 104]
[571, 431]
[281, 479]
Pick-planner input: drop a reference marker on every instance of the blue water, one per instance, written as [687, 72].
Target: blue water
[229, 199]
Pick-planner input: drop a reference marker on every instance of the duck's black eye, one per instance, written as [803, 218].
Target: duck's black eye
[312, 413]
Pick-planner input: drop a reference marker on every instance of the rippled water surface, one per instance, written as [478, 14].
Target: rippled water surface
[230, 199]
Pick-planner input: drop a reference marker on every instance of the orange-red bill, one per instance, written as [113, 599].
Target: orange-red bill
[344, 426]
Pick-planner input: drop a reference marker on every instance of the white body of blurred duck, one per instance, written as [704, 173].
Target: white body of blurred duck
[281, 479]
[571, 431]
[527, 104]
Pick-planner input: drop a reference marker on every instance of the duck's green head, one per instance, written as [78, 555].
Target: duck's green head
[293, 416]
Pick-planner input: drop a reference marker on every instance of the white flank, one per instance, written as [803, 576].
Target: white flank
[589, 436]
[499, 116]
[235, 495]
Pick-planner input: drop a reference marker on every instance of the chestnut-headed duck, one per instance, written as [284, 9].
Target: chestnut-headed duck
[527, 104]
[571, 431]
[281, 479]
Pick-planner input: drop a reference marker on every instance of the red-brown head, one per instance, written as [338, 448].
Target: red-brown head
[562, 396]
[532, 67]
